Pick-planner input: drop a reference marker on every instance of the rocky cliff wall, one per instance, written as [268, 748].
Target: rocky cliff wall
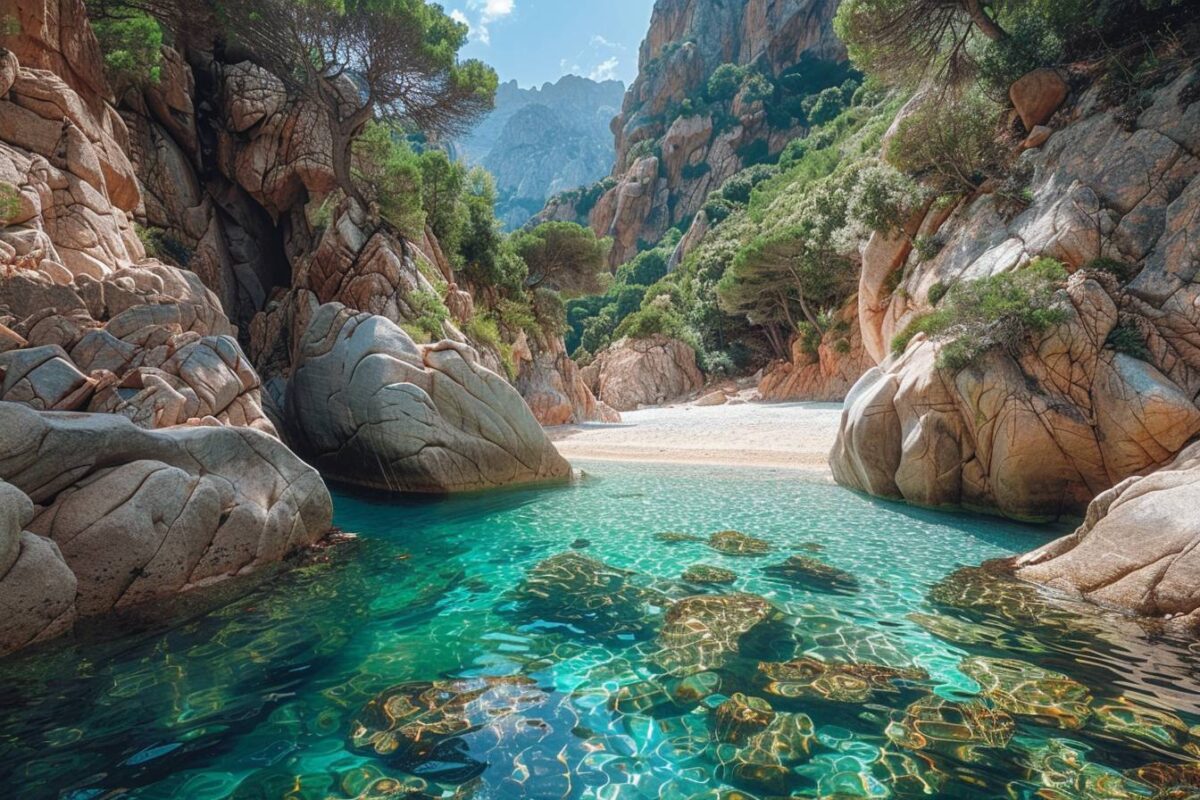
[673, 146]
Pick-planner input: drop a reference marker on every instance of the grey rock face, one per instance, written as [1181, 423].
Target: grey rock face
[375, 409]
[125, 515]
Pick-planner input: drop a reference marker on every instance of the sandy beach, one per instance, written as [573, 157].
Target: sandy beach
[790, 435]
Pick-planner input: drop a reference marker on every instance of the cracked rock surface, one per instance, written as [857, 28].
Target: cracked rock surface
[97, 514]
[650, 371]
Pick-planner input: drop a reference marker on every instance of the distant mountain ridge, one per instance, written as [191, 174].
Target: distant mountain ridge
[542, 141]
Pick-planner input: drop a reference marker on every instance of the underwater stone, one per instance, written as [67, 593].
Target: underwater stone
[675, 537]
[579, 590]
[811, 573]
[1026, 690]
[935, 723]
[839, 683]
[740, 717]
[704, 632]
[706, 573]
[415, 723]
[735, 543]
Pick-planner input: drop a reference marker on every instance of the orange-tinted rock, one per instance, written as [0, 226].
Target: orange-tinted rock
[1037, 95]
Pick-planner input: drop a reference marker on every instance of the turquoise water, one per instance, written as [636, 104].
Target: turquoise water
[271, 696]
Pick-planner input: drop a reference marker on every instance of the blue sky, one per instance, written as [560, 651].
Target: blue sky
[534, 41]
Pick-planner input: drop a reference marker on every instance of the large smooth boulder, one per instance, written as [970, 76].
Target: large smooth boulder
[137, 514]
[373, 408]
[1137, 548]
[1037, 95]
[651, 371]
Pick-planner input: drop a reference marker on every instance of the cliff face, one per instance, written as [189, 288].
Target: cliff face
[674, 143]
[1041, 431]
[542, 141]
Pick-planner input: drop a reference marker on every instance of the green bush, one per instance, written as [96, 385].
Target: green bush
[928, 247]
[936, 293]
[1126, 338]
[163, 246]
[998, 311]
[755, 152]
[717, 364]
[429, 312]
[653, 320]
[1123, 270]
[132, 43]
[724, 83]
[391, 171]
[951, 141]
[10, 203]
[883, 199]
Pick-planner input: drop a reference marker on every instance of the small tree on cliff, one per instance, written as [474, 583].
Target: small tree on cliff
[565, 257]
[366, 59]
[903, 41]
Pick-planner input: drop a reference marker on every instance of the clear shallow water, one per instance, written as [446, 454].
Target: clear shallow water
[268, 697]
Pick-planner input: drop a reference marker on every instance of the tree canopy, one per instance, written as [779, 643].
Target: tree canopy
[565, 257]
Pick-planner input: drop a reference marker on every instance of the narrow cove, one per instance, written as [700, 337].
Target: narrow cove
[434, 657]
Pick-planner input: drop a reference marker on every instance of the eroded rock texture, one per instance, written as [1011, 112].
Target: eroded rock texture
[374, 408]
[1136, 550]
[554, 388]
[650, 371]
[826, 375]
[121, 515]
[1040, 431]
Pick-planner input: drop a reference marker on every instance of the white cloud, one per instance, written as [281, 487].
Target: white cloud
[605, 70]
[600, 41]
[460, 17]
[492, 10]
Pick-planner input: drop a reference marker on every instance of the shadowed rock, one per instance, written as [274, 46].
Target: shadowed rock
[811, 573]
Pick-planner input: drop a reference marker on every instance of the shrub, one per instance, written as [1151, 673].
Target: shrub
[550, 311]
[1126, 338]
[724, 83]
[392, 174]
[163, 246]
[883, 199]
[737, 187]
[1032, 42]
[484, 330]
[691, 172]
[755, 152]
[132, 45]
[937, 292]
[429, 312]
[928, 247]
[998, 311]
[717, 364]
[823, 107]
[1123, 270]
[951, 141]
[10, 203]
[653, 320]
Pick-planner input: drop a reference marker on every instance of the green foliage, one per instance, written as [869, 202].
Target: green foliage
[824, 107]
[485, 331]
[928, 247]
[162, 245]
[717, 364]
[131, 41]
[443, 182]
[755, 152]
[951, 141]
[936, 292]
[691, 172]
[655, 320]
[428, 314]
[998, 311]
[10, 203]
[1123, 270]
[883, 199]
[646, 268]
[565, 257]
[1126, 338]
[392, 173]
[1034, 40]
[737, 187]
[724, 83]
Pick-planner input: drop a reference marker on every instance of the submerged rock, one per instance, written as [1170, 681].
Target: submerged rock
[1139, 725]
[428, 722]
[706, 573]
[1062, 768]
[1027, 690]
[813, 574]
[740, 717]
[707, 631]
[586, 593]
[808, 678]
[675, 537]
[935, 723]
[735, 543]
